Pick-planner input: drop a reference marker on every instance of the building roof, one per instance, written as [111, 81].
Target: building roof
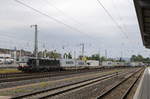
[143, 13]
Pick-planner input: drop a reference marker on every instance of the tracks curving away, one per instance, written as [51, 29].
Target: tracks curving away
[121, 89]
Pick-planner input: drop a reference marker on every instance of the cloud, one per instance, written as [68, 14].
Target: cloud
[97, 28]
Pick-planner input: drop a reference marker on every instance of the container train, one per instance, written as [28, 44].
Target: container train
[111, 64]
[29, 64]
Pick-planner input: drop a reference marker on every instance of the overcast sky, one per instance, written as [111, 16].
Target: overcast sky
[97, 30]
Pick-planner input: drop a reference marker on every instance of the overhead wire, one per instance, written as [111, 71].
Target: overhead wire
[112, 18]
[10, 38]
[119, 16]
[121, 19]
[123, 25]
[62, 12]
[122, 29]
[52, 18]
[130, 3]
[7, 38]
[67, 25]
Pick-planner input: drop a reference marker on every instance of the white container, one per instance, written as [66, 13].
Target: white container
[107, 63]
[67, 62]
[80, 63]
[92, 63]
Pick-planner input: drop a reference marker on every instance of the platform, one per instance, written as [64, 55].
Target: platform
[143, 90]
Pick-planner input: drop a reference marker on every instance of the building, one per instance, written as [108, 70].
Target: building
[12, 52]
[6, 58]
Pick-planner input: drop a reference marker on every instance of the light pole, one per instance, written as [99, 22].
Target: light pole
[99, 57]
[15, 55]
[106, 53]
[82, 49]
[36, 44]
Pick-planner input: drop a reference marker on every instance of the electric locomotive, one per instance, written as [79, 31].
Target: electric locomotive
[40, 64]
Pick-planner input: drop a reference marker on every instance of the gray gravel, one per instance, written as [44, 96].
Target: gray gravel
[31, 89]
[24, 82]
[90, 92]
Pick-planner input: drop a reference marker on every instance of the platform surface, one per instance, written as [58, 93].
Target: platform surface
[143, 90]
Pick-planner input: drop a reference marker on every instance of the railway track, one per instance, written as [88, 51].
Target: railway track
[5, 75]
[112, 92]
[12, 77]
[69, 87]
[19, 74]
[24, 77]
[124, 96]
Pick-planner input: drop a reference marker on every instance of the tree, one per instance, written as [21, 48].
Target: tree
[103, 58]
[121, 60]
[138, 58]
[111, 59]
[133, 58]
[69, 56]
[65, 55]
[97, 57]
[147, 60]
[53, 54]
[94, 57]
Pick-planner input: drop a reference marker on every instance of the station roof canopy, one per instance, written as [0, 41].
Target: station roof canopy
[143, 13]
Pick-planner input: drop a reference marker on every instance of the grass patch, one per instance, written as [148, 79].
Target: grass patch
[2, 71]
[30, 89]
[14, 92]
[43, 84]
